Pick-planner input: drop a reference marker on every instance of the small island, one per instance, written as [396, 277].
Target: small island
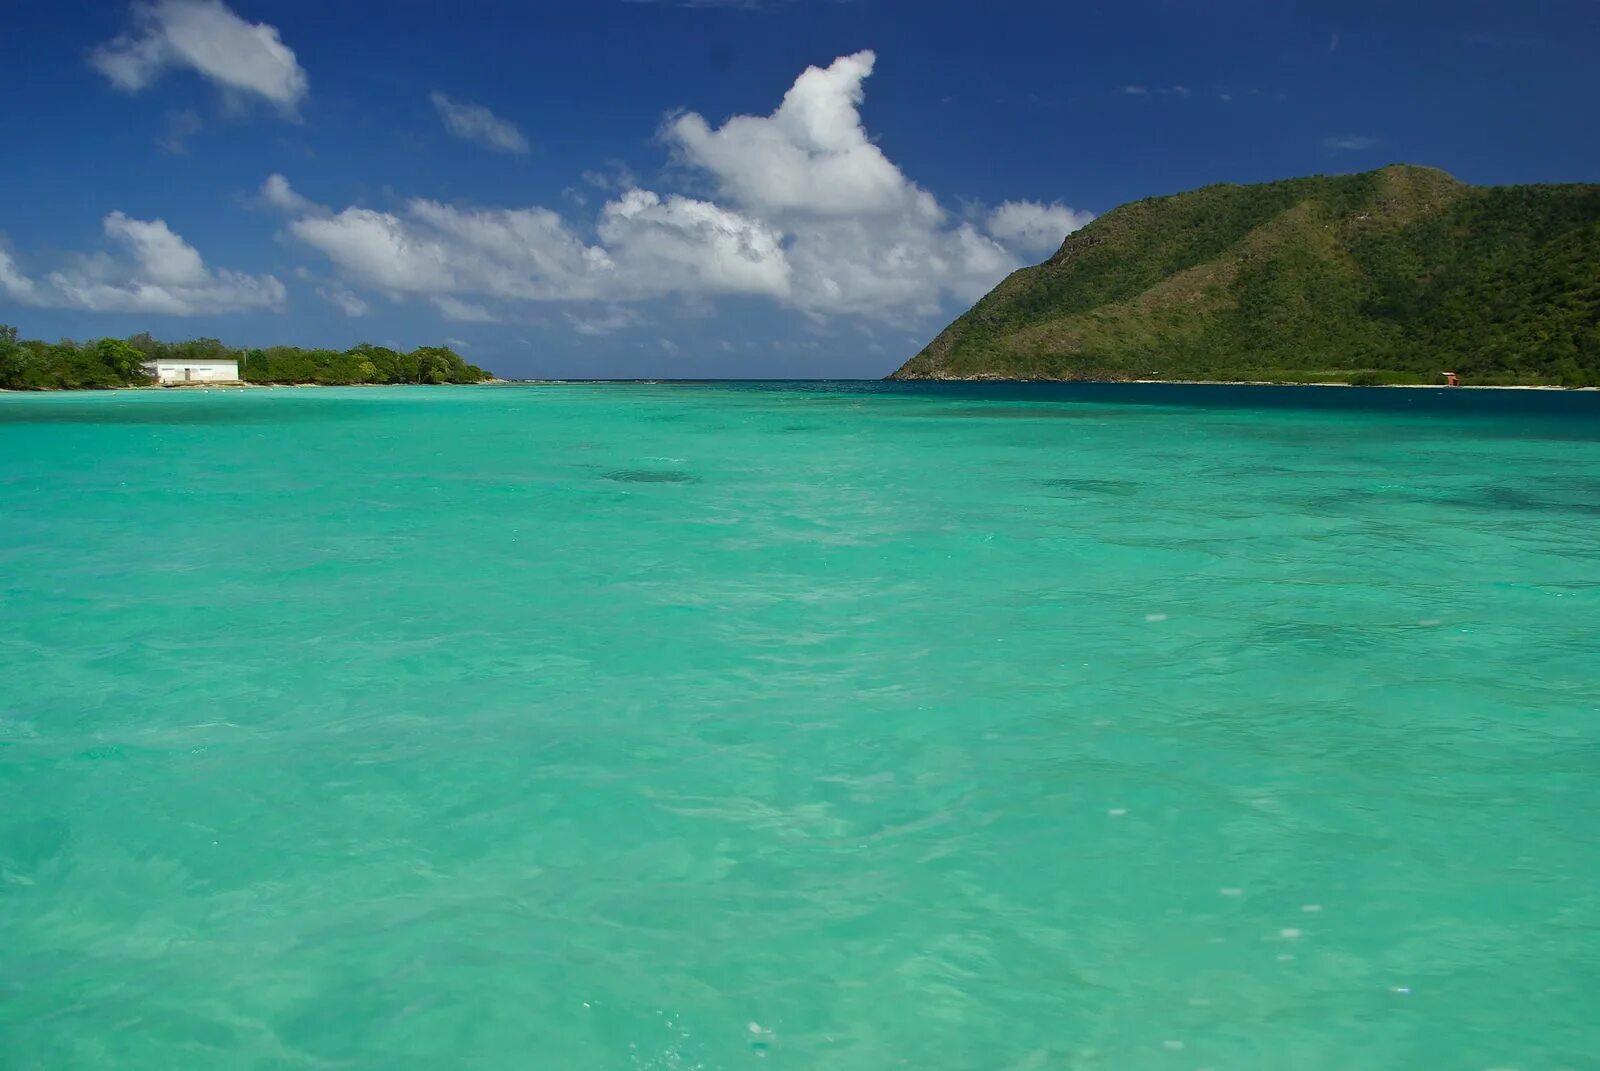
[1397, 276]
[32, 364]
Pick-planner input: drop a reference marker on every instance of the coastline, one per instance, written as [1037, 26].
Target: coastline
[1380, 386]
[1243, 383]
[243, 385]
[236, 384]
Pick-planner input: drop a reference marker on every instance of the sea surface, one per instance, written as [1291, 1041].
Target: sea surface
[809, 726]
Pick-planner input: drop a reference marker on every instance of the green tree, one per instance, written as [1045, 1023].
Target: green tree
[122, 359]
[147, 345]
[386, 365]
[11, 357]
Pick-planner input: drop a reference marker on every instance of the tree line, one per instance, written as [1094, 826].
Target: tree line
[33, 364]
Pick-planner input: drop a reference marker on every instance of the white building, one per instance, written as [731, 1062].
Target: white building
[206, 370]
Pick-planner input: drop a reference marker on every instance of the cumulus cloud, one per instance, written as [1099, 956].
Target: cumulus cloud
[860, 237]
[677, 243]
[526, 254]
[1032, 227]
[158, 272]
[811, 155]
[462, 311]
[474, 122]
[14, 284]
[805, 210]
[604, 322]
[615, 178]
[278, 194]
[871, 267]
[345, 301]
[241, 58]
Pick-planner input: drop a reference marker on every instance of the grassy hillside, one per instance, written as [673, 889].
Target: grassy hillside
[1384, 277]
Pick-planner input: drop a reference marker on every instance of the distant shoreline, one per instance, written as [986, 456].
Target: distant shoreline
[1023, 382]
[234, 384]
[1381, 386]
[243, 385]
[1242, 383]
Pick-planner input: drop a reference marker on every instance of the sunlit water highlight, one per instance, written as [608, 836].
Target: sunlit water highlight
[842, 726]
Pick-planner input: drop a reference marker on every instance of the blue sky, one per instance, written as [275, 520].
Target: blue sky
[779, 188]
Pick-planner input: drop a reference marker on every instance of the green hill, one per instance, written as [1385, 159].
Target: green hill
[1388, 276]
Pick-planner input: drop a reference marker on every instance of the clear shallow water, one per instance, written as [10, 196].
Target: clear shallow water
[849, 726]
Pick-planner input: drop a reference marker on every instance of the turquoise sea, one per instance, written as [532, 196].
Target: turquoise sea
[809, 726]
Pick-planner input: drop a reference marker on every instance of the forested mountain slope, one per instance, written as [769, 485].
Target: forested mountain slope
[1386, 276]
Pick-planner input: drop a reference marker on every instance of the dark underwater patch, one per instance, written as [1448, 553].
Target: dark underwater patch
[1518, 500]
[648, 476]
[1029, 412]
[1322, 637]
[1116, 488]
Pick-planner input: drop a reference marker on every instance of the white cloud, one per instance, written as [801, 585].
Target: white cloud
[15, 285]
[240, 57]
[679, 244]
[277, 193]
[526, 254]
[860, 237]
[162, 256]
[894, 266]
[615, 179]
[811, 155]
[457, 343]
[462, 311]
[474, 122]
[160, 273]
[652, 247]
[347, 302]
[806, 211]
[1032, 227]
[605, 321]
